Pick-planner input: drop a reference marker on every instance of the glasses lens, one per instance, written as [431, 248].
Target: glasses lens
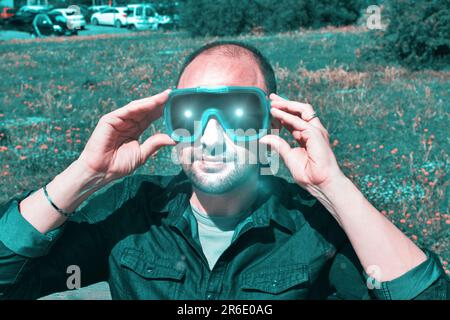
[185, 111]
[244, 113]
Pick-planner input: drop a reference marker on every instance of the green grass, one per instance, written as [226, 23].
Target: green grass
[388, 126]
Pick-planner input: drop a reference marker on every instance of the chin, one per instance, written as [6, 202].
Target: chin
[217, 179]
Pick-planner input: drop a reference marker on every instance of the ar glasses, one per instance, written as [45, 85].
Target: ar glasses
[243, 112]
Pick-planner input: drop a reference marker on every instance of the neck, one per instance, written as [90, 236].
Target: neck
[230, 203]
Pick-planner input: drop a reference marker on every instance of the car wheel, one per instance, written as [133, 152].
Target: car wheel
[95, 22]
[118, 24]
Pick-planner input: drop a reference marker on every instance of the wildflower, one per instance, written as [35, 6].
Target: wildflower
[18, 147]
[414, 237]
[335, 142]
[394, 151]
[402, 220]
[43, 147]
[22, 157]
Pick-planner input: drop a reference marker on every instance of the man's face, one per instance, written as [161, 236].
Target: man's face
[215, 164]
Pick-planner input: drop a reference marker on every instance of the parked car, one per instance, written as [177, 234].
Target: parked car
[23, 19]
[6, 13]
[172, 11]
[145, 16]
[141, 17]
[111, 17]
[51, 24]
[69, 16]
[94, 9]
[84, 10]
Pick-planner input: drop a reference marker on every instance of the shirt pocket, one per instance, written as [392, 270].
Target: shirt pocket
[151, 277]
[283, 282]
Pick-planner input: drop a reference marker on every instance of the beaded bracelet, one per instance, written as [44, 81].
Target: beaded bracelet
[64, 213]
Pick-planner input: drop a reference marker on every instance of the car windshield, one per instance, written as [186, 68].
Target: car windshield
[149, 12]
[70, 13]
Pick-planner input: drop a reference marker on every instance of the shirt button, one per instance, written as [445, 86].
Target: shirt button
[209, 296]
[149, 270]
[274, 283]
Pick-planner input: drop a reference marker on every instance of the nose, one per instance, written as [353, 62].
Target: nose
[213, 140]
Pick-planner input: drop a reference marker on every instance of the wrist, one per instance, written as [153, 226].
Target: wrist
[74, 185]
[332, 192]
[330, 186]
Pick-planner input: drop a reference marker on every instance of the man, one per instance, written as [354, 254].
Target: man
[219, 229]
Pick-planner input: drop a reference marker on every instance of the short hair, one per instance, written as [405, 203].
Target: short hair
[236, 49]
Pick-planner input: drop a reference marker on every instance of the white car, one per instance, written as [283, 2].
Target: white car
[73, 19]
[142, 16]
[111, 17]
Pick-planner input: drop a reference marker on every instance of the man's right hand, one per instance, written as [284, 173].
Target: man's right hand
[113, 150]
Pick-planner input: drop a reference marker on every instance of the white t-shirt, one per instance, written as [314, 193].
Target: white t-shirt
[215, 233]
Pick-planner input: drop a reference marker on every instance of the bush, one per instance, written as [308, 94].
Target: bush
[335, 12]
[232, 17]
[203, 17]
[418, 34]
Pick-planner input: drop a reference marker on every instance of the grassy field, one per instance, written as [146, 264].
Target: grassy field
[388, 126]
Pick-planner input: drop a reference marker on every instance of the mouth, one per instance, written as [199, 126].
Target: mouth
[214, 159]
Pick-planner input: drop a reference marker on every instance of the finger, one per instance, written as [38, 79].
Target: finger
[153, 144]
[304, 110]
[296, 109]
[274, 96]
[148, 108]
[300, 129]
[290, 121]
[276, 143]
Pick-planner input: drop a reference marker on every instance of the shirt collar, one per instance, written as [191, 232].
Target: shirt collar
[267, 207]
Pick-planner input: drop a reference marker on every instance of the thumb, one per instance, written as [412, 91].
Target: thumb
[276, 143]
[154, 143]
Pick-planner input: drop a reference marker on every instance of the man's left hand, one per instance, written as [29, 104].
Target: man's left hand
[313, 164]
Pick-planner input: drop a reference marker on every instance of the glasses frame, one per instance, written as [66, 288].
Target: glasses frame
[219, 90]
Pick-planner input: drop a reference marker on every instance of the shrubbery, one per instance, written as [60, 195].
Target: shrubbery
[231, 17]
[418, 34]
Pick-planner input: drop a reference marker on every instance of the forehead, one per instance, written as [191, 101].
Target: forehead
[217, 70]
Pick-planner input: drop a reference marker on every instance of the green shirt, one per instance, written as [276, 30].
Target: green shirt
[140, 236]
